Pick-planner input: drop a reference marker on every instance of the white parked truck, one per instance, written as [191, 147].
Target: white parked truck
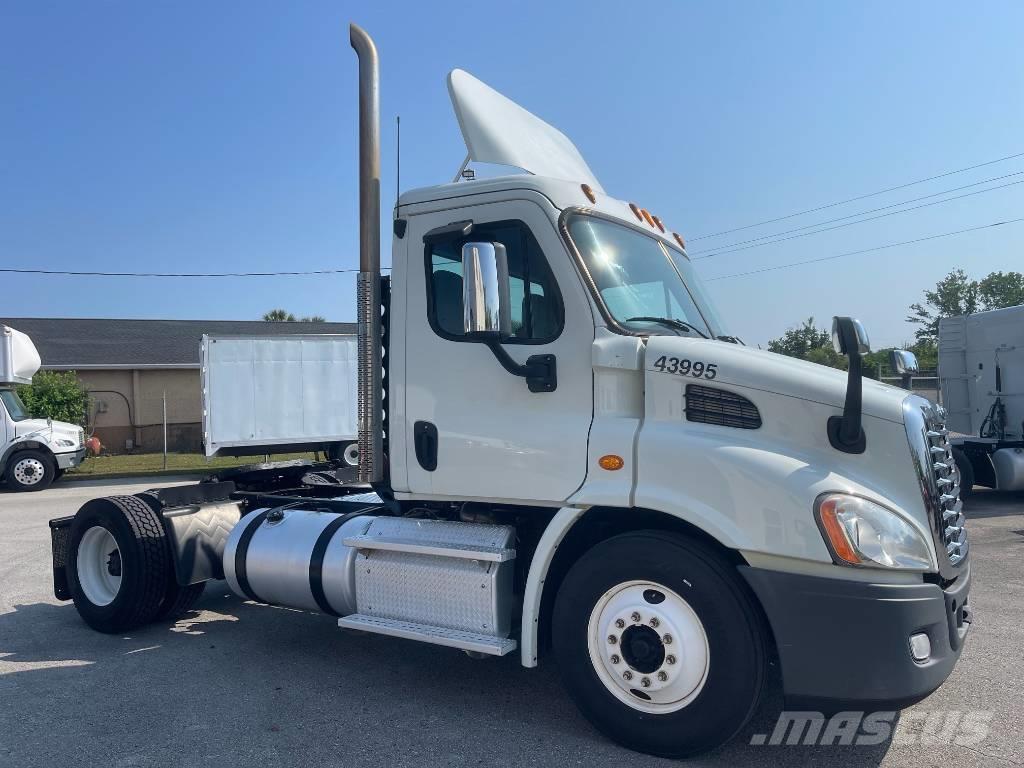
[33, 452]
[272, 394]
[570, 456]
[981, 375]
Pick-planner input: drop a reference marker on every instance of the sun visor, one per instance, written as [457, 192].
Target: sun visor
[497, 130]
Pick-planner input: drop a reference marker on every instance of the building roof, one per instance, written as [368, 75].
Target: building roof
[83, 343]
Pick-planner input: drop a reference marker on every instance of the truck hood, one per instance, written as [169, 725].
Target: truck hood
[770, 372]
[44, 430]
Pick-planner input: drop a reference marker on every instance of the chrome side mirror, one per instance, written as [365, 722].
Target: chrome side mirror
[849, 336]
[485, 292]
[903, 361]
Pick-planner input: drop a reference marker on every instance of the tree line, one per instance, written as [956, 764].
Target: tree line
[955, 294]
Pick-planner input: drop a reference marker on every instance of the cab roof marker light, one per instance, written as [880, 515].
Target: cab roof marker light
[589, 192]
[657, 223]
[679, 239]
[636, 211]
[647, 216]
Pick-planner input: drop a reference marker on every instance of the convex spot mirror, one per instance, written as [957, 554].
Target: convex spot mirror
[903, 361]
[849, 336]
[486, 302]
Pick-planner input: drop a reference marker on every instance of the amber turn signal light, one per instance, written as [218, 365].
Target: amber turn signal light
[588, 192]
[611, 462]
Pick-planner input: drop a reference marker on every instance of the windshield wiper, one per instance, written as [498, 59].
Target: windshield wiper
[671, 322]
[731, 339]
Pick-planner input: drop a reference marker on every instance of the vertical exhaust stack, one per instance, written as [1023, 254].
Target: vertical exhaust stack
[371, 449]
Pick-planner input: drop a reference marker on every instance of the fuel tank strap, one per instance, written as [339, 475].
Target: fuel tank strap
[316, 561]
[242, 550]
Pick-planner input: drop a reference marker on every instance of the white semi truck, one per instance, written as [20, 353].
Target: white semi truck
[570, 456]
[33, 452]
[981, 375]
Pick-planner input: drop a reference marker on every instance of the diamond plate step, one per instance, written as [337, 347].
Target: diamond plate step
[439, 548]
[453, 638]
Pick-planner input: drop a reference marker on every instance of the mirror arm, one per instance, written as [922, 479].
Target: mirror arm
[540, 371]
[846, 432]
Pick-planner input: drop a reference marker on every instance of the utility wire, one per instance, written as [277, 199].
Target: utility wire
[858, 197]
[864, 250]
[176, 274]
[861, 221]
[721, 248]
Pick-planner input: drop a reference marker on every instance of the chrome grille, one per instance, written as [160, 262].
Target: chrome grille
[939, 478]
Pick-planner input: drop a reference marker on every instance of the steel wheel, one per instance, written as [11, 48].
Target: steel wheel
[29, 471]
[99, 566]
[648, 647]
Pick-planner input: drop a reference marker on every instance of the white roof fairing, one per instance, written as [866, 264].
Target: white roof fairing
[497, 130]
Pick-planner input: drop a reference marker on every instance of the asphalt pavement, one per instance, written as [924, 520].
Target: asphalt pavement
[240, 684]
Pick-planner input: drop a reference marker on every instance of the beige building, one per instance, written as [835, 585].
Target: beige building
[129, 365]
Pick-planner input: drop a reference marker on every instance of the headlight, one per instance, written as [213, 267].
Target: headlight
[64, 443]
[860, 532]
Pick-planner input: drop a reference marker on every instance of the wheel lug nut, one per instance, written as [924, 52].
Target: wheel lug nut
[627, 675]
[635, 616]
[613, 639]
[663, 676]
[667, 639]
[655, 622]
[670, 659]
[646, 682]
[615, 658]
[620, 623]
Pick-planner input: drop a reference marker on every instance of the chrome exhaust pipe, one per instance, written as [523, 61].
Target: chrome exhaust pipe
[368, 309]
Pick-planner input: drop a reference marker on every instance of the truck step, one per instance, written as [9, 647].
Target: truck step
[453, 638]
[426, 547]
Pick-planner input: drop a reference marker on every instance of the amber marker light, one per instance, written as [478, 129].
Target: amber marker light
[657, 223]
[588, 192]
[647, 216]
[679, 239]
[611, 462]
[835, 532]
[636, 211]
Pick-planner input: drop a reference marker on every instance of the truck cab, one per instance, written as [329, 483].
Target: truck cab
[570, 455]
[33, 452]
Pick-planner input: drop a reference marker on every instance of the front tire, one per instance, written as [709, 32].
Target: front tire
[118, 564]
[659, 643]
[30, 471]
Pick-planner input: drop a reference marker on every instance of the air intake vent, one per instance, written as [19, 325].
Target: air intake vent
[708, 405]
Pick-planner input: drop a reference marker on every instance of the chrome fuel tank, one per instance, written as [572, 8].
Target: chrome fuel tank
[295, 558]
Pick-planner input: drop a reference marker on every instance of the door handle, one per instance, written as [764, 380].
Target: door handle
[424, 437]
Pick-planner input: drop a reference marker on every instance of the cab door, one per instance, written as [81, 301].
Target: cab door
[472, 429]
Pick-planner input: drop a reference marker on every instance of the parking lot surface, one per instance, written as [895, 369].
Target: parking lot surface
[240, 684]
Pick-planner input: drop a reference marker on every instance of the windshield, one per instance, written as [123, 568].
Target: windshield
[646, 286]
[15, 408]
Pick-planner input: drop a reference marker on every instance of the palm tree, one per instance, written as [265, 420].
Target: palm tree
[279, 316]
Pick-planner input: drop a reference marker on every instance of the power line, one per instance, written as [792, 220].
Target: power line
[721, 248]
[73, 273]
[864, 250]
[861, 221]
[858, 197]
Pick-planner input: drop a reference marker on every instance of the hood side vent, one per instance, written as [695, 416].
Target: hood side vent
[710, 405]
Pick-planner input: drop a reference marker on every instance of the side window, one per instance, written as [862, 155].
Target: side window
[536, 306]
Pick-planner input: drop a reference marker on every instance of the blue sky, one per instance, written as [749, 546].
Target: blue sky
[221, 136]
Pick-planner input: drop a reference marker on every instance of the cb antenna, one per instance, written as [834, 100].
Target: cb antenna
[398, 160]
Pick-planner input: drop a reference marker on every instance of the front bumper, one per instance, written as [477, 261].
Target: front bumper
[69, 460]
[845, 645]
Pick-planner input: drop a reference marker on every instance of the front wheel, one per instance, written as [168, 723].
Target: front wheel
[30, 471]
[659, 644]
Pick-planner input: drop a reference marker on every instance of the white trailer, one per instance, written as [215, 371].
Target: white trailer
[981, 374]
[272, 394]
[570, 455]
[33, 452]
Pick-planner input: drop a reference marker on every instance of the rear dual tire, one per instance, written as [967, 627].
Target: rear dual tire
[119, 568]
[659, 643]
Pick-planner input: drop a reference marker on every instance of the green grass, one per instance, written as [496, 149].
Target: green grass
[153, 463]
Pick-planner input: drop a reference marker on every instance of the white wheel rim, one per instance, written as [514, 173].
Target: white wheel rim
[351, 455]
[648, 647]
[99, 566]
[29, 471]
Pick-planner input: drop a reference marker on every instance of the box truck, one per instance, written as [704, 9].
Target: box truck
[570, 455]
[277, 394]
[981, 376]
[33, 452]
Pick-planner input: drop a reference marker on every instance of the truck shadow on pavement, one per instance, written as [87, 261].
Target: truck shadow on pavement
[241, 684]
[986, 503]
